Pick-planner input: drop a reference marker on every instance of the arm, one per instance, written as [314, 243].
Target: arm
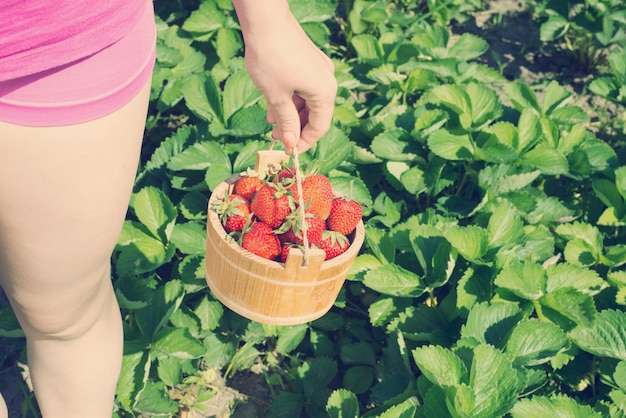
[295, 77]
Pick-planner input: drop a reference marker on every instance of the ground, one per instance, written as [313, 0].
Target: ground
[515, 47]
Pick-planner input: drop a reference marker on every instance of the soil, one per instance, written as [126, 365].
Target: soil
[515, 48]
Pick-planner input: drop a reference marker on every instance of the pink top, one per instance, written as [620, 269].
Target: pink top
[36, 35]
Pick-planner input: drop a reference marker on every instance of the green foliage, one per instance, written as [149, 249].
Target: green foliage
[492, 279]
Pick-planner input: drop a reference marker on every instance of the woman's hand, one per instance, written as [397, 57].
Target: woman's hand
[296, 78]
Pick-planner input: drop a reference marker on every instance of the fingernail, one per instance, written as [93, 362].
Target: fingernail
[289, 139]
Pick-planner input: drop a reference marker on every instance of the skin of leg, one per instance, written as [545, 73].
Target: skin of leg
[3, 408]
[64, 193]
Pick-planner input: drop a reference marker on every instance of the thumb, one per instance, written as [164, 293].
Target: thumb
[287, 119]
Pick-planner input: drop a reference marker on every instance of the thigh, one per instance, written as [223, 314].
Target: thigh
[64, 193]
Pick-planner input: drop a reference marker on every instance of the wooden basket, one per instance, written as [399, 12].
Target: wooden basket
[268, 291]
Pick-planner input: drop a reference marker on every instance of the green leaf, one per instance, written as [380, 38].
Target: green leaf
[555, 96]
[189, 237]
[405, 409]
[155, 401]
[468, 47]
[316, 374]
[392, 279]
[139, 252]
[451, 146]
[569, 115]
[177, 342]
[470, 241]
[555, 406]
[554, 28]
[333, 149]
[529, 129]
[583, 238]
[527, 280]
[210, 313]
[522, 96]
[571, 304]
[245, 122]
[202, 97]
[620, 181]
[453, 98]
[286, 405]
[133, 292]
[505, 226]
[567, 275]
[439, 365]
[9, 326]
[434, 254]
[381, 244]
[290, 337]
[342, 404]
[381, 311]
[547, 159]
[239, 92]
[165, 300]
[358, 379]
[393, 145]
[206, 19]
[155, 211]
[169, 370]
[394, 374]
[491, 323]
[246, 157]
[606, 337]
[193, 206]
[227, 43]
[368, 49]
[133, 375]
[200, 156]
[494, 381]
[532, 343]
[358, 353]
[312, 11]
[243, 359]
[485, 103]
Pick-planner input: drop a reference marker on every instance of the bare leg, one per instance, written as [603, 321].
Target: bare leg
[64, 193]
[3, 408]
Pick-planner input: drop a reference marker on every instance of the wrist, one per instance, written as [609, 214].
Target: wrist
[258, 18]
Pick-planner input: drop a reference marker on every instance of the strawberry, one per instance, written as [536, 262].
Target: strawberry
[344, 215]
[232, 211]
[334, 244]
[260, 239]
[317, 194]
[271, 204]
[246, 185]
[293, 228]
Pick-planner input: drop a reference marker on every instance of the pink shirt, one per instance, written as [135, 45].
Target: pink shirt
[36, 35]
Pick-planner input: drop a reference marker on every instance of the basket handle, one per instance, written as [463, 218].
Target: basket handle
[265, 161]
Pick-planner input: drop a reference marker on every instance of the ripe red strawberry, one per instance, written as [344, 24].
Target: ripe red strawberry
[344, 215]
[334, 244]
[293, 229]
[317, 194]
[232, 211]
[271, 205]
[286, 176]
[246, 185]
[260, 239]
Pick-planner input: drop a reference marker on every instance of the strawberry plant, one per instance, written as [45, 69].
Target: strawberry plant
[492, 280]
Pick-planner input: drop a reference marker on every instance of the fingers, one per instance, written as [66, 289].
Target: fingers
[286, 115]
[314, 118]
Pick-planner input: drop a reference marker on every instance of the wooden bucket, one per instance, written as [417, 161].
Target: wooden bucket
[269, 291]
